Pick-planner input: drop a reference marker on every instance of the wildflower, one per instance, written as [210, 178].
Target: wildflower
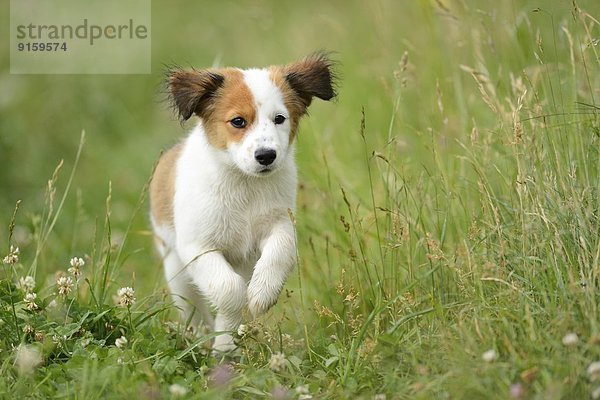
[593, 371]
[177, 390]
[126, 297]
[28, 329]
[596, 393]
[302, 389]
[280, 393]
[26, 284]
[121, 342]
[27, 358]
[65, 285]
[570, 339]
[52, 305]
[221, 375]
[76, 264]
[277, 362]
[303, 392]
[489, 356]
[39, 336]
[12, 257]
[517, 391]
[30, 301]
[120, 361]
[242, 330]
[379, 396]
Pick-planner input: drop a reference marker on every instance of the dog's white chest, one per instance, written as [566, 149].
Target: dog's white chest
[225, 210]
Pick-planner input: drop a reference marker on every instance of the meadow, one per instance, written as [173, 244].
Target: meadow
[448, 216]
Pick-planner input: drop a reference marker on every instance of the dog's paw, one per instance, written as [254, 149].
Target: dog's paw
[260, 299]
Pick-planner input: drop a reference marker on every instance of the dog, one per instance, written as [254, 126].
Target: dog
[222, 200]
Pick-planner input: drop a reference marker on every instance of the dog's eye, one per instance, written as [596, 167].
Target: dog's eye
[279, 119]
[238, 122]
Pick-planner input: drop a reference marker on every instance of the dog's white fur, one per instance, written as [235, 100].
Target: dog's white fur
[229, 238]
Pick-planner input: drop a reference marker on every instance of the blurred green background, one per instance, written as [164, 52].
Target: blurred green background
[128, 123]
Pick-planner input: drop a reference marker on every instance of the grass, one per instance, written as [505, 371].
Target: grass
[448, 213]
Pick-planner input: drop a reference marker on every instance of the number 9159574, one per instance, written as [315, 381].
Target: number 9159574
[42, 46]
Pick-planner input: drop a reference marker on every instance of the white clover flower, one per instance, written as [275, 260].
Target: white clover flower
[12, 257]
[177, 390]
[302, 389]
[27, 358]
[277, 362]
[39, 336]
[26, 283]
[242, 330]
[126, 297]
[570, 339]
[65, 285]
[593, 371]
[121, 342]
[28, 329]
[76, 264]
[52, 305]
[379, 396]
[303, 392]
[489, 356]
[120, 361]
[30, 301]
[596, 393]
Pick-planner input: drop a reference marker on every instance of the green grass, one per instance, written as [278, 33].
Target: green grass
[449, 205]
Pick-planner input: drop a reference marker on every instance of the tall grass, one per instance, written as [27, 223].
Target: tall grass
[448, 230]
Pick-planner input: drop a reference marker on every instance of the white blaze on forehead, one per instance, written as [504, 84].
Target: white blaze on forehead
[267, 96]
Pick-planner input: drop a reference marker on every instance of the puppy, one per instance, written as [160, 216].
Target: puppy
[221, 199]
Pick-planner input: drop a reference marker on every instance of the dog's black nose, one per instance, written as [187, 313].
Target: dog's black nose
[265, 156]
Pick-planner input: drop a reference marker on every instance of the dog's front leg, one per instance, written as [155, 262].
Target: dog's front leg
[223, 288]
[278, 257]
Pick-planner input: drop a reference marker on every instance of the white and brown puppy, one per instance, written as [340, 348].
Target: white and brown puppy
[220, 199]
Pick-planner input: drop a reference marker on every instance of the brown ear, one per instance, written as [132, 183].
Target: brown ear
[312, 77]
[191, 91]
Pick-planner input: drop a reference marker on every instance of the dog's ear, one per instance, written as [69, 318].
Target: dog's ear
[312, 77]
[191, 91]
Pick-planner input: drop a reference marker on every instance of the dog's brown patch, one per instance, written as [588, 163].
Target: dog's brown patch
[233, 99]
[291, 100]
[162, 187]
[192, 91]
[301, 81]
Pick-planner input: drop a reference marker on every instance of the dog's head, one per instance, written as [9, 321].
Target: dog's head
[252, 115]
